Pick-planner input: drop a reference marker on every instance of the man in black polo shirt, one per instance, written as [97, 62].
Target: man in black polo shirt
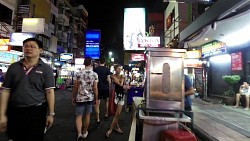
[103, 88]
[28, 91]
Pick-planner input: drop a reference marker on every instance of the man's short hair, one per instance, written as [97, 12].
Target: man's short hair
[39, 43]
[102, 60]
[87, 61]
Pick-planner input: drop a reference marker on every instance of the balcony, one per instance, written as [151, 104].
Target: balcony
[54, 9]
[63, 20]
[51, 27]
[62, 36]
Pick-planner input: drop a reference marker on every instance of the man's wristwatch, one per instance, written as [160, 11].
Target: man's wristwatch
[52, 114]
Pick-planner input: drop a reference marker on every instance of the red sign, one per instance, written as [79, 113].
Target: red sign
[137, 57]
[236, 61]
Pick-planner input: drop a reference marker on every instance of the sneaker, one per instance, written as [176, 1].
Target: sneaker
[80, 138]
[85, 135]
[98, 124]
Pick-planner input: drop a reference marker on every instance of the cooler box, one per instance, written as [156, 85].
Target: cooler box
[177, 135]
[134, 91]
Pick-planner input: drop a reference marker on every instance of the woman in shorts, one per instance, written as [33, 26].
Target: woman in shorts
[119, 100]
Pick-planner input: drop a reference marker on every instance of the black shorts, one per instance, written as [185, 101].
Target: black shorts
[103, 94]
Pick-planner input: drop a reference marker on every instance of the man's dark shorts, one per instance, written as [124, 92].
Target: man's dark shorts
[103, 94]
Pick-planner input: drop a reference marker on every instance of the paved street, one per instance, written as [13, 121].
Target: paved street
[64, 126]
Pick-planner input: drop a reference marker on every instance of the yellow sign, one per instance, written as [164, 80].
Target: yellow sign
[4, 45]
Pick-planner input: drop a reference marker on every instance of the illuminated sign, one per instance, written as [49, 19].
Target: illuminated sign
[4, 45]
[66, 56]
[79, 61]
[213, 48]
[195, 54]
[92, 46]
[137, 57]
[34, 25]
[8, 57]
[149, 42]
[134, 27]
[16, 39]
[236, 61]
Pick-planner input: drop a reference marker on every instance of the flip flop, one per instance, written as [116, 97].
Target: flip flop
[107, 135]
[119, 131]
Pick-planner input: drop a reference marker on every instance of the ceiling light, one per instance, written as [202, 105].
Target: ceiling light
[206, 39]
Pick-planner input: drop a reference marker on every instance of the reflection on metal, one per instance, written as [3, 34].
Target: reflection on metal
[165, 78]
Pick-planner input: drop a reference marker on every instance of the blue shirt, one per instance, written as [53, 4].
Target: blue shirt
[188, 84]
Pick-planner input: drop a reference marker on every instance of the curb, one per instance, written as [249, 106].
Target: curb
[204, 136]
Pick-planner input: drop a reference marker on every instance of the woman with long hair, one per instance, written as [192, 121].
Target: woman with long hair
[119, 100]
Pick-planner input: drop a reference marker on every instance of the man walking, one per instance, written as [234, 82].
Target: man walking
[85, 94]
[28, 94]
[103, 89]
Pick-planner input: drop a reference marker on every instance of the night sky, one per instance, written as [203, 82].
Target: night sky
[107, 15]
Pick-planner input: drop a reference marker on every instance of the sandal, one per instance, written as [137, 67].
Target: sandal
[119, 131]
[108, 133]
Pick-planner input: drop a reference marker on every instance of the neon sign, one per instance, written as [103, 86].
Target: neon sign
[213, 48]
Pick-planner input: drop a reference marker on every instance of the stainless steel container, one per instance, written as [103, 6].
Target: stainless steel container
[164, 87]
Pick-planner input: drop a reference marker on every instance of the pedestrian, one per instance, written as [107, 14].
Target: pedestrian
[103, 89]
[28, 94]
[189, 90]
[85, 94]
[119, 100]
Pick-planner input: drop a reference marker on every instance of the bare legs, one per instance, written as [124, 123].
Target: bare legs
[107, 107]
[97, 110]
[238, 101]
[115, 121]
[79, 124]
[247, 102]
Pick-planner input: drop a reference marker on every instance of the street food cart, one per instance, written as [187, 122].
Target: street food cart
[161, 109]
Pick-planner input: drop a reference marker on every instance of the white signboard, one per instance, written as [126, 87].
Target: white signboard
[134, 27]
[79, 61]
[149, 42]
[33, 25]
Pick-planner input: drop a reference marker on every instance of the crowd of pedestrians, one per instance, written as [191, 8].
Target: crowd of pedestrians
[27, 100]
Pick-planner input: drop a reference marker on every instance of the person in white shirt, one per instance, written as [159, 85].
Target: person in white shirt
[244, 90]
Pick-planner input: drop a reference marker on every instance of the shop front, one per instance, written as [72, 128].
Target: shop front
[193, 68]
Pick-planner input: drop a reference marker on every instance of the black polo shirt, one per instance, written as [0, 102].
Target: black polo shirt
[27, 87]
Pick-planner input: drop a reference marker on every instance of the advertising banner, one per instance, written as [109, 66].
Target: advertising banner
[236, 61]
[149, 42]
[34, 25]
[4, 45]
[66, 57]
[8, 57]
[134, 27]
[213, 48]
[16, 39]
[137, 57]
[92, 47]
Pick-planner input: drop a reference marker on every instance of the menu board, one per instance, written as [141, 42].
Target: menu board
[236, 62]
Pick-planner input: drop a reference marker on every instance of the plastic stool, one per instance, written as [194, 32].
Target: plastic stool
[177, 135]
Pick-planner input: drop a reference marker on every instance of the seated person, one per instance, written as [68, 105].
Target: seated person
[244, 90]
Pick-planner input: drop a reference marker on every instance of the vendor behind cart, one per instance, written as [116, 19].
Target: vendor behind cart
[189, 90]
